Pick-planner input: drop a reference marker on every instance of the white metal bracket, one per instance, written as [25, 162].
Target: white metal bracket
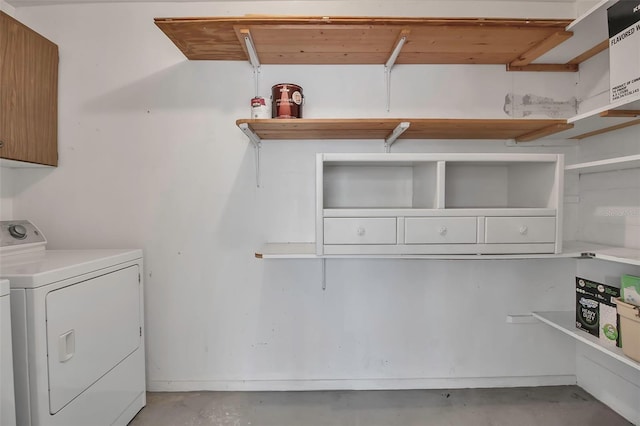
[400, 128]
[257, 144]
[391, 62]
[253, 57]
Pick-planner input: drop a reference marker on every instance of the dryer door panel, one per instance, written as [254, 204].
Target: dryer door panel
[91, 327]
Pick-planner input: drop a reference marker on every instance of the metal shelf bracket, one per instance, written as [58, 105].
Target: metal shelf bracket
[400, 128]
[391, 62]
[257, 145]
[253, 57]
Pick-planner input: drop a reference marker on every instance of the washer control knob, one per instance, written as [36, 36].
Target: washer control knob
[18, 231]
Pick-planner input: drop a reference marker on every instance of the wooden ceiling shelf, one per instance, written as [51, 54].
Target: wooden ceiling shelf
[520, 130]
[369, 40]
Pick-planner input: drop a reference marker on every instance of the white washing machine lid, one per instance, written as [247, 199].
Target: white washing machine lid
[4, 287]
[32, 270]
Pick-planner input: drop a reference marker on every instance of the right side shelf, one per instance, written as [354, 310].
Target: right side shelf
[591, 37]
[599, 251]
[565, 322]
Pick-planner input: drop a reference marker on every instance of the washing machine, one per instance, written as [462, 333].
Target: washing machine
[7, 399]
[77, 330]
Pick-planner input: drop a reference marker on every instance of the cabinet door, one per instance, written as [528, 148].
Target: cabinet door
[29, 95]
[91, 327]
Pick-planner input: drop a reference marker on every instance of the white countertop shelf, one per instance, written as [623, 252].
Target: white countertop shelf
[571, 249]
[624, 255]
[607, 165]
[308, 251]
[565, 321]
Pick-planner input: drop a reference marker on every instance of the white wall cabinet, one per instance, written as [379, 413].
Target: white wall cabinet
[398, 204]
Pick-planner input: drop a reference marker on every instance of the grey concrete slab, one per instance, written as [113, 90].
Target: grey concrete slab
[548, 406]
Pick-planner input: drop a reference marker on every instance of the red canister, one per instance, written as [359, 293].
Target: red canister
[286, 100]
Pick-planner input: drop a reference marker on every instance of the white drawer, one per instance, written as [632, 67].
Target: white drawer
[440, 230]
[520, 230]
[371, 230]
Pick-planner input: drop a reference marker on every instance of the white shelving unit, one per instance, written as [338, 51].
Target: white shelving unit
[438, 204]
[565, 322]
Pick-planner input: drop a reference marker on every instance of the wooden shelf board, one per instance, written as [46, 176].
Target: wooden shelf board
[610, 164]
[374, 128]
[364, 40]
[565, 321]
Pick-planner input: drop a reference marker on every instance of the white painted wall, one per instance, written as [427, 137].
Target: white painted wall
[150, 157]
[6, 193]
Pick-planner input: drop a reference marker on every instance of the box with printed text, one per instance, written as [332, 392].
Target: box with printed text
[596, 310]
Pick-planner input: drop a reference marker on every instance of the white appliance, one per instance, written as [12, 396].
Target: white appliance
[77, 323]
[7, 399]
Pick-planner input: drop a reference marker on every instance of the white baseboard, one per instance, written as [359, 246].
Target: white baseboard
[356, 384]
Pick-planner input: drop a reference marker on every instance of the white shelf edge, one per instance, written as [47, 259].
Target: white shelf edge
[595, 9]
[610, 164]
[571, 249]
[287, 251]
[589, 29]
[564, 321]
[616, 105]
[628, 256]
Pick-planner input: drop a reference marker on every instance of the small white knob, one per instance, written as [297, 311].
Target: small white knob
[523, 230]
[360, 231]
[442, 230]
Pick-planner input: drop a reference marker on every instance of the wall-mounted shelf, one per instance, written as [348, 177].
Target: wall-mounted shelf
[605, 119]
[624, 255]
[308, 251]
[590, 37]
[570, 249]
[610, 164]
[521, 130]
[565, 321]
[367, 40]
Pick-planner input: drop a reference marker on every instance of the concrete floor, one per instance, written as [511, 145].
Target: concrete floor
[548, 406]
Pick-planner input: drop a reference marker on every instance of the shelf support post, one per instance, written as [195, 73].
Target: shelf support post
[391, 62]
[257, 144]
[253, 57]
[389, 140]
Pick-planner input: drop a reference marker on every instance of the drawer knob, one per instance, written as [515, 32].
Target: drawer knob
[360, 231]
[523, 230]
[442, 230]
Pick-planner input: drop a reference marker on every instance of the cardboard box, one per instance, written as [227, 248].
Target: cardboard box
[624, 50]
[630, 329]
[596, 310]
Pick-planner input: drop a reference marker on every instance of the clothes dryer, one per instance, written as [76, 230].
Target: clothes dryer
[77, 326]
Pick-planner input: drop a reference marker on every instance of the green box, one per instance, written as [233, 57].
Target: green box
[630, 289]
